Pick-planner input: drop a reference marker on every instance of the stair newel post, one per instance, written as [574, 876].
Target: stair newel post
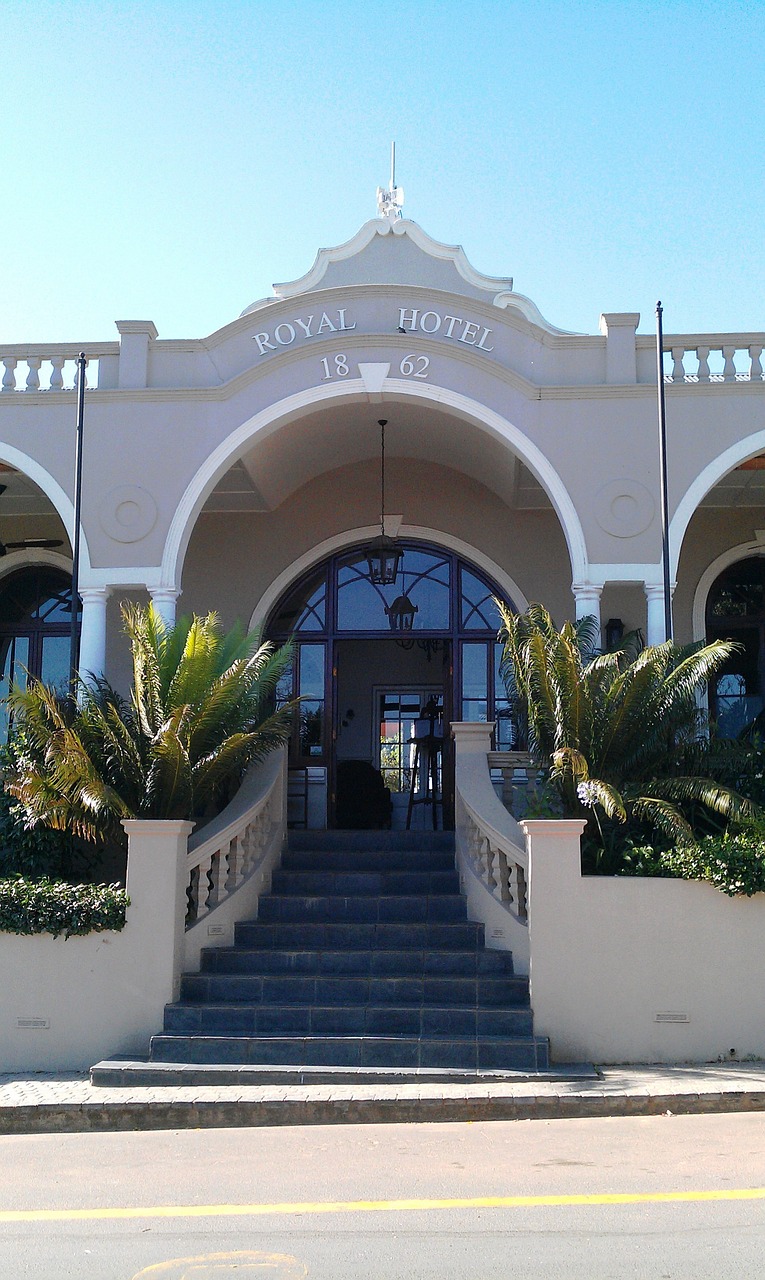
[157, 881]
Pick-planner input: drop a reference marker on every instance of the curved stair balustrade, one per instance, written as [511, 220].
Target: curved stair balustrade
[233, 856]
[491, 849]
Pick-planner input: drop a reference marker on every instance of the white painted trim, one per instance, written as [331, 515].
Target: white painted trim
[713, 472]
[31, 557]
[743, 551]
[382, 227]
[52, 489]
[293, 407]
[351, 537]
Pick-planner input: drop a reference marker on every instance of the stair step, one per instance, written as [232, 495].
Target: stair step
[346, 1020]
[363, 909]
[339, 936]
[496, 1053]
[369, 861]
[364, 883]
[216, 988]
[408, 963]
[364, 841]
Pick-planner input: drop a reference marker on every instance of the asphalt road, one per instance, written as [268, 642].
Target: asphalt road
[659, 1197]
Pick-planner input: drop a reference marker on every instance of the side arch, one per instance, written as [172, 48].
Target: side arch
[352, 537]
[713, 472]
[744, 551]
[293, 407]
[52, 489]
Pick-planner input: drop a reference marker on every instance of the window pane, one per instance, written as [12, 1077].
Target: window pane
[311, 689]
[478, 612]
[506, 736]
[305, 609]
[54, 668]
[423, 583]
[14, 658]
[475, 692]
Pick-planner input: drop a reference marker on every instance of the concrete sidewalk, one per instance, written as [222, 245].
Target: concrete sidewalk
[69, 1103]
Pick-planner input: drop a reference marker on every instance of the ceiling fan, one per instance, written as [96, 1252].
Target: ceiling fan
[47, 543]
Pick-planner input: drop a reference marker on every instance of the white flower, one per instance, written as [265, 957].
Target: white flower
[588, 794]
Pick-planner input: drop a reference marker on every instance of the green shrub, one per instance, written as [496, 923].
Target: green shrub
[56, 907]
[733, 862]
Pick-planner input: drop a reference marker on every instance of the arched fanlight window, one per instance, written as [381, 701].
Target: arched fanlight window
[35, 629]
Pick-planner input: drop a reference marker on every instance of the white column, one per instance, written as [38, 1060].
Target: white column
[655, 632]
[93, 631]
[164, 600]
[587, 596]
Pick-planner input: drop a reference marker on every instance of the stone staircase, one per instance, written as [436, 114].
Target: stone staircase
[362, 957]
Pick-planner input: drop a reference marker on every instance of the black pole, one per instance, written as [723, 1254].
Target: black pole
[74, 634]
[663, 472]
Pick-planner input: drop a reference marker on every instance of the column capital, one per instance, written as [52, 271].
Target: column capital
[94, 593]
[593, 590]
[472, 736]
[655, 590]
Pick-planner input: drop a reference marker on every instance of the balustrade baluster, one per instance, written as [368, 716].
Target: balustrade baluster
[77, 374]
[204, 887]
[522, 891]
[755, 368]
[33, 373]
[192, 897]
[729, 368]
[491, 856]
[214, 878]
[233, 859]
[9, 377]
[504, 878]
[703, 356]
[57, 375]
[678, 368]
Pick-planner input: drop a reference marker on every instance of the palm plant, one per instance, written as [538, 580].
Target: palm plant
[201, 709]
[612, 727]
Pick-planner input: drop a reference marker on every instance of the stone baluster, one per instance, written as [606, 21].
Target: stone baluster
[503, 878]
[703, 355]
[215, 880]
[33, 373]
[9, 377]
[77, 374]
[492, 856]
[57, 374]
[204, 886]
[232, 865]
[729, 368]
[192, 896]
[755, 368]
[678, 368]
[521, 892]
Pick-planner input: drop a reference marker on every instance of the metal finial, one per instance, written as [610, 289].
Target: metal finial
[389, 202]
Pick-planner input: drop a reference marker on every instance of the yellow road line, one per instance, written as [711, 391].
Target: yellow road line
[375, 1206]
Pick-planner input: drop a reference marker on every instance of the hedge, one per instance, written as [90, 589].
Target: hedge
[58, 907]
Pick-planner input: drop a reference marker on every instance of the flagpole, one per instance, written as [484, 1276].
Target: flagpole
[663, 473]
[74, 633]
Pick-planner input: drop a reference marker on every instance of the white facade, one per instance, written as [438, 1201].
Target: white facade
[219, 470]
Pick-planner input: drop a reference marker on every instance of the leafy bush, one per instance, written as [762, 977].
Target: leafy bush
[56, 907]
[733, 862]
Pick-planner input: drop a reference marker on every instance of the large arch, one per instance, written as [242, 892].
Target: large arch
[52, 490]
[353, 537]
[293, 407]
[712, 473]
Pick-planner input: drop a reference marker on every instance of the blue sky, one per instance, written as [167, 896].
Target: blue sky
[169, 161]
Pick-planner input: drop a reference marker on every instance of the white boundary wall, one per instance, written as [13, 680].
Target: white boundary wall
[611, 955]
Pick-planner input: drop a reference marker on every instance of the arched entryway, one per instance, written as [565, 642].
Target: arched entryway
[35, 630]
[736, 611]
[368, 660]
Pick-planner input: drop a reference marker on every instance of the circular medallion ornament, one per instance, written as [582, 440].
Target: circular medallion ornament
[624, 508]
[128, 513]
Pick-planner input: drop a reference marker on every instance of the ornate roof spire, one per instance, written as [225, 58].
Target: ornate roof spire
[389, 202]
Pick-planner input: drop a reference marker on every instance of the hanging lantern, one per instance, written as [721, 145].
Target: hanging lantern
[401, 614]
[383, 556]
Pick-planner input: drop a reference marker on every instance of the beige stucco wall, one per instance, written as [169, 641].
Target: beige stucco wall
[609, 954]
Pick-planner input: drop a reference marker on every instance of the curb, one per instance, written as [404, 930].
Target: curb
[302, 1109]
